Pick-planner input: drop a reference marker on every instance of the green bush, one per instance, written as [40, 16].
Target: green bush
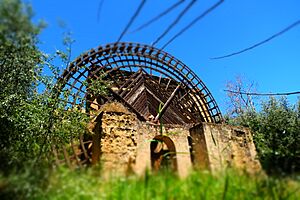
[20, 69]
[30, 120]
[276, 129]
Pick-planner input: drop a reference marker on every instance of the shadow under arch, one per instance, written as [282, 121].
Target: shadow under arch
[163, 154]
[191, 149]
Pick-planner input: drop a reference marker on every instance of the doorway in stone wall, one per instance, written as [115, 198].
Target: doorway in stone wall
[163, 154]
[191, 149]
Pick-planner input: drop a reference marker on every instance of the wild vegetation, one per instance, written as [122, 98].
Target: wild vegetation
[275, 127]
[88, 184]
[28, 125]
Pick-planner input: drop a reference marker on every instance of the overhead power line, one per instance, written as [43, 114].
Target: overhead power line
[263, 94]
[194, 22]
[293, 25]
[156, 18]
[174, 22]
[99, 10]
[132, 19]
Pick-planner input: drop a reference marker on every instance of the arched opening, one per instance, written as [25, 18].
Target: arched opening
[191, 148]
[163, 154]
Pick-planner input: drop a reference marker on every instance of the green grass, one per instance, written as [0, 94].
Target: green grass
[88, 184]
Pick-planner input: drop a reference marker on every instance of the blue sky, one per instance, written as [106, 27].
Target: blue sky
[235, 25]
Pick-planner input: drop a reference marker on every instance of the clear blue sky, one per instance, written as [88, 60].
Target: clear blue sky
[235, 25]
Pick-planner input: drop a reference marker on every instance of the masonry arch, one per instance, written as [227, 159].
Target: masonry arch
[163, 154]
[143, 79]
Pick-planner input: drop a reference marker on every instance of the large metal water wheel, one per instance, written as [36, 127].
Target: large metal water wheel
[148, 81]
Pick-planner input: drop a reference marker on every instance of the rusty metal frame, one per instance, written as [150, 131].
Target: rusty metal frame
[117, 60]
[127, 66]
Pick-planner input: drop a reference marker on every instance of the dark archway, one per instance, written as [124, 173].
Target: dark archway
[191, 149]
[163, 154]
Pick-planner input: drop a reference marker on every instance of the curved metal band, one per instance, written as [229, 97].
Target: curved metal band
[120, 61]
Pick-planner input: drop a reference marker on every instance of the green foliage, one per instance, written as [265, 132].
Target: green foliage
[88, 184]
[19, 72]
[68, 124]
[98, 86]
[30, 121]
[276, 131]
[31, 118]
[24, 184]
[161, 125]
[19, 56]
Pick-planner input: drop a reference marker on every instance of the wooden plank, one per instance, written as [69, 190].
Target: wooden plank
[83, 148]
[67, 159]
[75, 154]
[55, 155]
[165, 106]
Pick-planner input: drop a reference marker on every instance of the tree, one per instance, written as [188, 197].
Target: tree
[20, 70]
[30, 121]
[19, 54]
[276, 128]
[277, 136]
[240, 103]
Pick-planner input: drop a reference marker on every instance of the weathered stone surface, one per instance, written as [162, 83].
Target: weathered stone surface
[122, 143]
[178, 134]
[229, 146]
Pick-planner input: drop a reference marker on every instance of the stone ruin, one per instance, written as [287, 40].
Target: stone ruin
[156, 115]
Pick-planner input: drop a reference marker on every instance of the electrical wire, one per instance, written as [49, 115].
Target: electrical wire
[99, 10]
[263, 94]
[132, 19]
[156, 18]
[174, 22]
[293, 25]
[193, 22]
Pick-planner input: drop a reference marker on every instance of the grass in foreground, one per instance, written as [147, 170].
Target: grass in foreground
[88, 184]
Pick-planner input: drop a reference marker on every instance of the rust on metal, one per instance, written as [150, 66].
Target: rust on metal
[142, 78]
[139, 74]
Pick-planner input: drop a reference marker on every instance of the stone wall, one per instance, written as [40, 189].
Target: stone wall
[122, 144]
[199, 148]
[178, 134]
[226, 146]
[115, 140]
